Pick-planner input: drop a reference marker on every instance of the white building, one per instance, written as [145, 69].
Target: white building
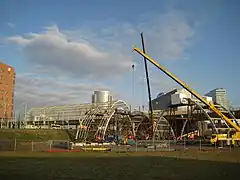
[219, 96]
[171, 98]
[176, 98]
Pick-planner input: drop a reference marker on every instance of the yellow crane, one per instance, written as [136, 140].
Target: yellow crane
[232, 137]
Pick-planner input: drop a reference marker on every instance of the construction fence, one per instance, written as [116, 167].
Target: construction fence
[172, 145]
[33, 146]
[137, 146]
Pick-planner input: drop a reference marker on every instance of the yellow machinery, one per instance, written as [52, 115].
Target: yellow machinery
[232, 137]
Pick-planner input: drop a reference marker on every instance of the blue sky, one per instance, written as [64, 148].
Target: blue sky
[62, 50]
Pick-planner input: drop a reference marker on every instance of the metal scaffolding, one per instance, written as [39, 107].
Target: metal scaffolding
[196, 119]
[162, 129]
[105, 119]
[100, 120]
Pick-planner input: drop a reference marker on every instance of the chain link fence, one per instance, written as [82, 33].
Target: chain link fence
[137, 146]
[34, 146]
[173, 145]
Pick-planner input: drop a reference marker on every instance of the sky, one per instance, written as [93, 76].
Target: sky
[64, 50]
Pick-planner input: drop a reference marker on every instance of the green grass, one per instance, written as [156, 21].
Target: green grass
[142, 165]
[33, 134]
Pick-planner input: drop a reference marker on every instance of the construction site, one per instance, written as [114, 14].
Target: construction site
[119, 90]
[175, 115]
[109, 121]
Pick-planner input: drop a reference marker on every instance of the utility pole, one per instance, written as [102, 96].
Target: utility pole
[148, 83]
[133, 68]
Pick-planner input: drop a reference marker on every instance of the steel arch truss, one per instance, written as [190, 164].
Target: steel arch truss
[197, 107]
[205, 112]
[162, 129]
[142, 125]
[145, 129]
[105, 119]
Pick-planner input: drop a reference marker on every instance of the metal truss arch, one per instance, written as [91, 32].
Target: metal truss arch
[231, 115]
[198, 106]
[162, 128]
[96, 121]
[143, 126]
[109, 115]
[205, 113]
[82, 131]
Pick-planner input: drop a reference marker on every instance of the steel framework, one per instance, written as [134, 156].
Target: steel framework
[162, 128]
[146, 130]
[196, 115]
[98, 121]
[105, 119]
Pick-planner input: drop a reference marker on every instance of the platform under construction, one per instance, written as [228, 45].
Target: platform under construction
[196, 119]
[97, 121]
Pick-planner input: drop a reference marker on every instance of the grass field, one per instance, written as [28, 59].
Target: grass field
[142, 165]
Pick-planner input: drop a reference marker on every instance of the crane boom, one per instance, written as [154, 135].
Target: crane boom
[185, 86]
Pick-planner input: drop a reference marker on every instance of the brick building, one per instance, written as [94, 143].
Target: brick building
[7, 82]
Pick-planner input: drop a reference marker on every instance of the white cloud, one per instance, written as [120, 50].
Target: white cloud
[56, 51]
[158, 82]
[11, 24]
[96, 53]
[18, 40]
[39, 91]
[168, 36]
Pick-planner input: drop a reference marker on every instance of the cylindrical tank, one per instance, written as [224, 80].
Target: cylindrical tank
[94, 98]
[100, 96]
[110, 98]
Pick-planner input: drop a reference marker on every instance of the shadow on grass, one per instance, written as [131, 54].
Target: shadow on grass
[132, 167]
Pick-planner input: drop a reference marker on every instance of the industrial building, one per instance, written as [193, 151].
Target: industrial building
[175, 97]
[7, 82]
[219, 96]
[184, 112]
[68, 115]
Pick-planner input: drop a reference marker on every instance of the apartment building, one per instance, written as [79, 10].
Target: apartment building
[7, 82]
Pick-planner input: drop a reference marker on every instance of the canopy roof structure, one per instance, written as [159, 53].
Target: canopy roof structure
[70, 112]
[97, 121]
